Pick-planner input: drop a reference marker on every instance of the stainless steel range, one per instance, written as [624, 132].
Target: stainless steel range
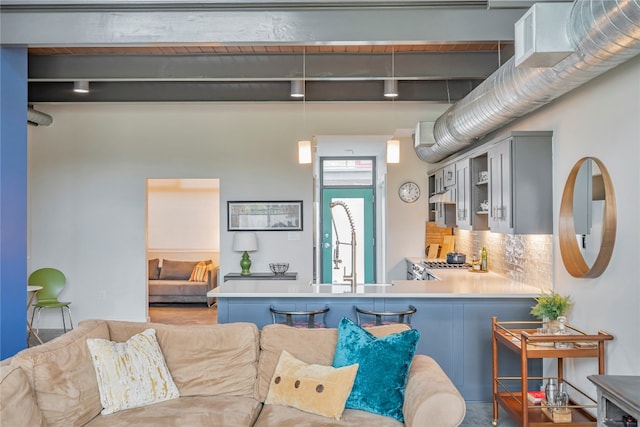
[444, 264]
[419, 270]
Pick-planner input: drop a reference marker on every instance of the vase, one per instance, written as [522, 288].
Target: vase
[551, 390]
[553, 326]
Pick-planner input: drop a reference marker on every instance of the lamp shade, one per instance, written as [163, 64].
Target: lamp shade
[393, 151]
[81, 86]
[297, 88]
[304, 152]
[245, 242]
[390, 88]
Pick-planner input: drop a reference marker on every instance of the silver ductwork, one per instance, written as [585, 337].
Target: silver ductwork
[38, 118]
[605, 33]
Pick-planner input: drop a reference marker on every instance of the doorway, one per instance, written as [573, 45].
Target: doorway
[347, 219]
[183, 228]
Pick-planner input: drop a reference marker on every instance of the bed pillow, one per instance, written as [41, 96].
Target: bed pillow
[154, 270]
[318, 389]
[132, 373]
[383, 367]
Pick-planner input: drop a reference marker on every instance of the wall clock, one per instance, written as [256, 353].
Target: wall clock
[409, 192]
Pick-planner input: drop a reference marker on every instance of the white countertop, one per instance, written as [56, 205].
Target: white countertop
[454, 283]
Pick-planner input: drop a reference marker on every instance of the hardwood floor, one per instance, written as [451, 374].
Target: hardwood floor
[171, 314]
[184, 314]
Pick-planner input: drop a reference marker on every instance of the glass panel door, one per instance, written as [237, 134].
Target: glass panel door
[352, 213]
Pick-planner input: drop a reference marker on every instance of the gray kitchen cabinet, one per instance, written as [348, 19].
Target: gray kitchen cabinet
[439, 181]
[479, 192]
[520, 184]
[442, 208]
[449, 175]
[463, 195]
[445, 214]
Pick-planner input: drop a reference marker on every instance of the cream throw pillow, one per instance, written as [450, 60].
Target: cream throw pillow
[318, 389]
[132, 373]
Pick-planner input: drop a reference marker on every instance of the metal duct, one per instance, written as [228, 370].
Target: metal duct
[605, 33]
[38, 118]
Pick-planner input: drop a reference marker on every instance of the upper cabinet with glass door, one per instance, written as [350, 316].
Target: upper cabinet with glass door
[520, 184]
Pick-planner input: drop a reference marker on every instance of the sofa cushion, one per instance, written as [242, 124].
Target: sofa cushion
[285, 416]
[62, 376]
[154, 269]
[384, 366]
[201, 411]
[318, 389]
[18, 404]
[309, 345]
[204, 359]
[178, 288]
[176, 270]
[132, 373]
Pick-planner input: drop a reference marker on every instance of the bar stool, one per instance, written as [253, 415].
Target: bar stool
[402, 316]
[310, 321]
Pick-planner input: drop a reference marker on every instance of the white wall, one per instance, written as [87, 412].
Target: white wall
[602, 119]
[184, 219]
[88, 172]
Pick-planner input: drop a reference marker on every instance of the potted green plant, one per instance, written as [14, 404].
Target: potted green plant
[551, 306]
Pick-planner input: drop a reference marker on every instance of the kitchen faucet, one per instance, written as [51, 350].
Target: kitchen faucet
[351, 278]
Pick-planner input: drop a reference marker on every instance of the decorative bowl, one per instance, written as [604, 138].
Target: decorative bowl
[279, 268]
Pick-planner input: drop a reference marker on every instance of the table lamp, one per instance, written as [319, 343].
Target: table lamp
[245, 243]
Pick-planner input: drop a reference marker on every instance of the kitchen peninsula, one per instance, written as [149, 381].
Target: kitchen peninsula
[453, 314]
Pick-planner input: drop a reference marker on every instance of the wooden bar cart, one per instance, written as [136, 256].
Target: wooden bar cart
[521, 337]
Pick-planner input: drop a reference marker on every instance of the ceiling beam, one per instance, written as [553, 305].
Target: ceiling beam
[113, 25]
[264, 67]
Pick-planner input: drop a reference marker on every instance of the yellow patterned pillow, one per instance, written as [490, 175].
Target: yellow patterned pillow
[318, 389]
[199, 272]
[132, 373]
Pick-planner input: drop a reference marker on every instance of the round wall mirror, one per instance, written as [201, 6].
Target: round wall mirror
[587, 219]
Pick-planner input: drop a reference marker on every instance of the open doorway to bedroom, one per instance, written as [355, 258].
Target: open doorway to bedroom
[183, 248]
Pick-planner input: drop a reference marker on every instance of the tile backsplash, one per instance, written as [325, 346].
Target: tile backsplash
[526, 258]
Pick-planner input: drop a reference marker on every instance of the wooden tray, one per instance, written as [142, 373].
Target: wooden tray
[478, 271]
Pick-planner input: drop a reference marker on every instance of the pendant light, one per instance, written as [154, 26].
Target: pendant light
[81, 86]
[304, 146]
[391, 91]
[391, 85]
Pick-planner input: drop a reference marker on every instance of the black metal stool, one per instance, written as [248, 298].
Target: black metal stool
[402, 316]
[309, 323]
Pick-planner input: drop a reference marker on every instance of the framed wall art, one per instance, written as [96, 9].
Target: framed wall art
[264, 216]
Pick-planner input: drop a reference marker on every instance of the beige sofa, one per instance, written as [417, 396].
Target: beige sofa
[223, 374]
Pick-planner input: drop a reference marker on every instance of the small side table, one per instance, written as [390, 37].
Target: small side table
[32, 290]
[618, 395]
[261, 276]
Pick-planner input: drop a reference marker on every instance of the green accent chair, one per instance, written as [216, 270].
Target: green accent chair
[52, 282]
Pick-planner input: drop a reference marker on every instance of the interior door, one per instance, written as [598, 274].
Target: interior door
[336, 239]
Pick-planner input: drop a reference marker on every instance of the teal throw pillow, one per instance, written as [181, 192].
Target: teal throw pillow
[384, 367]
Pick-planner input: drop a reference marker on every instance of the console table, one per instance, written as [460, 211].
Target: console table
[618, 395]
[261, 276]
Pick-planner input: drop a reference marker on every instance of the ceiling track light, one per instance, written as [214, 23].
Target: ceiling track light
[297, 88]
[390, 88]
[81, 86]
